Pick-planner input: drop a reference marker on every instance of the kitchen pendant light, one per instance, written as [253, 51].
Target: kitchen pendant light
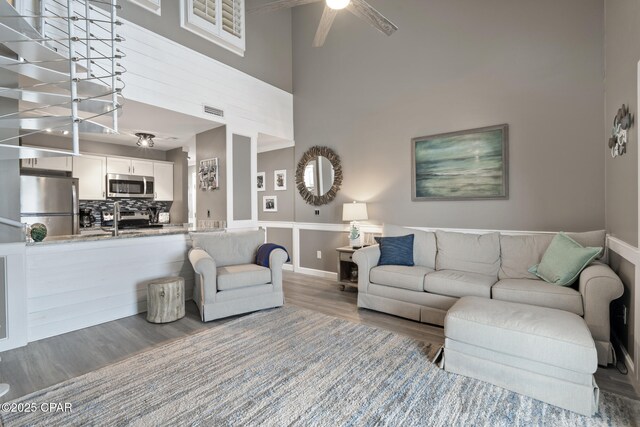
[145, 139]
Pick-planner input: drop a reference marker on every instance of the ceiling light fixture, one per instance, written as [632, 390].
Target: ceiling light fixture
[145, 139]
[338, 4]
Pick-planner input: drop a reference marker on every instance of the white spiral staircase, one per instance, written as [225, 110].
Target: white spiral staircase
[65, 58]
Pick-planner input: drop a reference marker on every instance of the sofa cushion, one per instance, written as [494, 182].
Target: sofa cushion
[590, 238]
[475, 253]
[424, 243]
[242, 275]
[400, 276]
[540, 293]
[230, 248]
[454, 283]
[519, 253]
[396, 250]
[555, 337]
[564, 260]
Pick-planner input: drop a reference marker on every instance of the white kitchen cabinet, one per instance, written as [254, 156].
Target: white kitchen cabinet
[163, 181]
[49, 163]
[118, 165]
[141, 168]
[125, 166]
[91, 173]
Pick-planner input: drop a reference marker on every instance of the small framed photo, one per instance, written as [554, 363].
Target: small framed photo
[280, 180]
[270, 203]
[260, 181]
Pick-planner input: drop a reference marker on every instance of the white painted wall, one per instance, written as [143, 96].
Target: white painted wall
[168, 75]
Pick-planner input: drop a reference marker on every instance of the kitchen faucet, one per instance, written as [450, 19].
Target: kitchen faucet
[116, 218]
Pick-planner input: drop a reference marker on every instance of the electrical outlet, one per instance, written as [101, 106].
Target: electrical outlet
[317, 212]
[624, 314]
[319, 254]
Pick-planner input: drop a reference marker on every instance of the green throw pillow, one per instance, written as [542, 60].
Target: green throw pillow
[564, 260]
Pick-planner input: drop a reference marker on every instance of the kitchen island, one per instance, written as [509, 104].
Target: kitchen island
[78, 281]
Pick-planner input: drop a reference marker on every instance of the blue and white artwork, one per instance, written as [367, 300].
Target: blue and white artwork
[470, 164]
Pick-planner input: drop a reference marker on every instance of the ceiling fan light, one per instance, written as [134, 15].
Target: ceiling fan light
[338, 4]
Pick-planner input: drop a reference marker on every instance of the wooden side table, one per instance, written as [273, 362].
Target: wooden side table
[165, 300]
[347, 269]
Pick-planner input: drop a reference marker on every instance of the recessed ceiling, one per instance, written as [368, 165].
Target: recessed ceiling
[172, 129]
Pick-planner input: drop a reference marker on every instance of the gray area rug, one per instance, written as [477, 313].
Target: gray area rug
[293, 366]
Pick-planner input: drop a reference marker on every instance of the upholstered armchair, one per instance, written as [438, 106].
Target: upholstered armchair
[228, 282]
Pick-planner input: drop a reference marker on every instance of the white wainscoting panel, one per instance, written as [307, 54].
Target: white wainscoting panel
[631, 254]
[16, 296]
[75, 285]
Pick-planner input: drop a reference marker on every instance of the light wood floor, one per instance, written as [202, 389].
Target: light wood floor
[52, 360]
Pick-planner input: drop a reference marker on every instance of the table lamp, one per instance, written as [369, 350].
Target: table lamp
[354, 212]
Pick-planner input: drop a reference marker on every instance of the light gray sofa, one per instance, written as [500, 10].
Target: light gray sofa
[228, 282]
[452, 265]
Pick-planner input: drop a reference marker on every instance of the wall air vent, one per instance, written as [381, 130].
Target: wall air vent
[214, 111]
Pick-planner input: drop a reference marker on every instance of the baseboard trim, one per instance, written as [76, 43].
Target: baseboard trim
[317, 273]
[287, 267]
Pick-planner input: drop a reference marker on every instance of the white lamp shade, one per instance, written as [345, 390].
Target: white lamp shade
[354, 212]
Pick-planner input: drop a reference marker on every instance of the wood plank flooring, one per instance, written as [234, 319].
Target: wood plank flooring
[52, 360]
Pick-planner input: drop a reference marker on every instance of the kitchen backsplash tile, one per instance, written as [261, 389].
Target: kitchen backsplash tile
[125, 204]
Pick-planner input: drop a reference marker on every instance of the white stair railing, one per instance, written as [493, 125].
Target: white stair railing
[68, 70]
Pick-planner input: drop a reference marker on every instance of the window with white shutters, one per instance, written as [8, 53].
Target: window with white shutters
[221, 21]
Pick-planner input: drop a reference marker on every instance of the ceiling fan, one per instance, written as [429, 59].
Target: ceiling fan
[359, 8]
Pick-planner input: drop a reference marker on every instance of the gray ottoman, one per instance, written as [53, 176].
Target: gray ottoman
[540, 352]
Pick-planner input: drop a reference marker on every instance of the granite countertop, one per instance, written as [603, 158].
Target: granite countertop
[97, 234]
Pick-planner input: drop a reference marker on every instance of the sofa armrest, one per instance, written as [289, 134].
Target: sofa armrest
[277, 258]
[366, 259]
[599, 285]
[206, 268]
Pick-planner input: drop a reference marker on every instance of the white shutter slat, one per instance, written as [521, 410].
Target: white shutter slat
[232, 17]
[205, 9]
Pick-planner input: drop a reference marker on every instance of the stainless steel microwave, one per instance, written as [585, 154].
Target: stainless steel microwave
[130, 186]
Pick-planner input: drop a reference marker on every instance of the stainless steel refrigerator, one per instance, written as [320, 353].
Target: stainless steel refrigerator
[52, 201]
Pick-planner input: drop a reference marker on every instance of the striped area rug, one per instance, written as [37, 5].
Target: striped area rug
[290, 366]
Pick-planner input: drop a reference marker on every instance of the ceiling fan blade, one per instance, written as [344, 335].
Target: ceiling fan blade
[364, 10]
[278, 5]
[325, 25]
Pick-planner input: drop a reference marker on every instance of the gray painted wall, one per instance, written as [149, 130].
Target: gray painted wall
[269, 162]
[268, 50]
[88, 146]
[534, 65]
[209, 144]
[282, 237]
[242, 185]
[622, 24]
[179, 211]
[312, 241]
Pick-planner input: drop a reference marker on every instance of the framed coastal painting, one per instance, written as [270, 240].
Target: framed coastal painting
[465, 165]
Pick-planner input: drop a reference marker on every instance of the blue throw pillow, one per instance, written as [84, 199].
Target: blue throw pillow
[396, 250]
